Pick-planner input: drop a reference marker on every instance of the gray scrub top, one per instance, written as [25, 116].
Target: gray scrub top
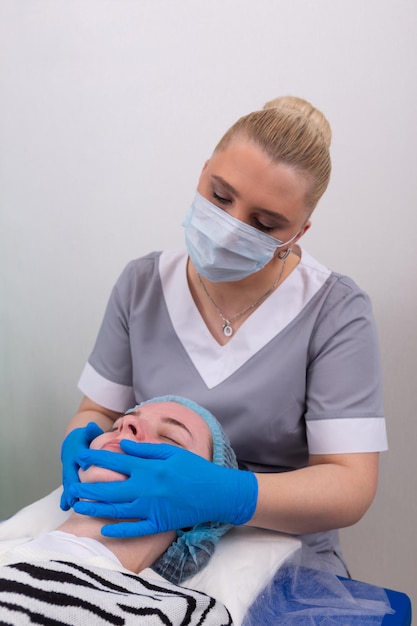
[301, 375]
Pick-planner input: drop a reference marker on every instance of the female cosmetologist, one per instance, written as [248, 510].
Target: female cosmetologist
[283, 351]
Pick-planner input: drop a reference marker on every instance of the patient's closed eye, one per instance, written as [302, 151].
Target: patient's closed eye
[171, 437]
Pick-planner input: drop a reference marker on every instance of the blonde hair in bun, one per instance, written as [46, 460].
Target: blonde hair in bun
[298, 105]
[293, 132]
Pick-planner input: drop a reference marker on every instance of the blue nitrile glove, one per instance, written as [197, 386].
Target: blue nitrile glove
[74, 443]
[167, 488]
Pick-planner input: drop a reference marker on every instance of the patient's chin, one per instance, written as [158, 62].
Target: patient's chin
[95, 474]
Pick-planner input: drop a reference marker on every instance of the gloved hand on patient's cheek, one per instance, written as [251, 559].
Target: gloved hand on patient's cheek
[167, 488]
[74, 443]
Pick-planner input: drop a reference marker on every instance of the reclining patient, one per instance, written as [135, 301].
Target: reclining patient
[75, 575]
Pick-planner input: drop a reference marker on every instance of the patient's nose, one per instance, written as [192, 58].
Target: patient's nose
[133, 428]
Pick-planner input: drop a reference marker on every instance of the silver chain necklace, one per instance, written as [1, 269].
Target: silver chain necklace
[227, 322]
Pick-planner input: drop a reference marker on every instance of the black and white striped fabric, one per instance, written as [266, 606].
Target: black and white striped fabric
[56, 592]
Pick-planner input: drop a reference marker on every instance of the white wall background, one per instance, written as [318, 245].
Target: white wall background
[108, 109]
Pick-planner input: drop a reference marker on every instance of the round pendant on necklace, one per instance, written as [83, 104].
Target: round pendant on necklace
[227, 329]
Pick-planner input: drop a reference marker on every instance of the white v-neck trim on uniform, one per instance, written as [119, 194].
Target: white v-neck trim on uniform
[215, 363]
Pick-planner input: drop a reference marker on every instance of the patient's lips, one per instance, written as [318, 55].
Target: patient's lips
[110, 443]
[113, 446]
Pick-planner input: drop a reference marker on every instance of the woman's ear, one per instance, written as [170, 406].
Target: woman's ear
[303, 231]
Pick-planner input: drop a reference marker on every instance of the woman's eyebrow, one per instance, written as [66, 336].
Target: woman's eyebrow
[175, 422]
[281, 219]
[165, 419]
[226, 185]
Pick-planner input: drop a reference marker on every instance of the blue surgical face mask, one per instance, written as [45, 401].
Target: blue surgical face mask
[223, 248]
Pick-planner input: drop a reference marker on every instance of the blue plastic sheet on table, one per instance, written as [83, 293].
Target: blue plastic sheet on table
[300, 595]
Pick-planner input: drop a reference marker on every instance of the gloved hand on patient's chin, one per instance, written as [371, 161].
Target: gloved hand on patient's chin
[167, 488]
[74, 443]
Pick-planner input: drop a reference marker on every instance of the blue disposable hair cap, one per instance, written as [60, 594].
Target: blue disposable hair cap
[193, 547]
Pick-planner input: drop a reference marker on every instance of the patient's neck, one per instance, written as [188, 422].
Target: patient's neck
[134, 553]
